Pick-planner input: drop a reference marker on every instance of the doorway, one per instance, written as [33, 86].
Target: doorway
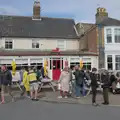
[57, 65]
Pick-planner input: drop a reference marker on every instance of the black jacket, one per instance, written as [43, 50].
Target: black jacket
[79, 77]
[5, 78]
[105, 80]
[93, 78]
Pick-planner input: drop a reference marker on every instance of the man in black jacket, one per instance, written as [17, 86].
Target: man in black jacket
[105, 86]
[5, 81]
[94, 85]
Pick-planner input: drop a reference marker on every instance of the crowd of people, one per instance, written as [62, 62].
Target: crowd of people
[77, 77]
[29, 82]
[81, 78]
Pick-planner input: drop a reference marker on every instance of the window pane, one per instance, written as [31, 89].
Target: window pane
[110, 66]
[117, 66]
[117, 59]
[109, 35]
[109, 58]
[8, 44]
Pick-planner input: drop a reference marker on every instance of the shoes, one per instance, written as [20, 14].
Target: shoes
[78, 97]
[2, 102]
[66, 97]
[59, 97]
[36, 99]
[95, 104]
[105, 103]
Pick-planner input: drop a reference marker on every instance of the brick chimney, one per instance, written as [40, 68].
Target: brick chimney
[36, 9]
[101, 15]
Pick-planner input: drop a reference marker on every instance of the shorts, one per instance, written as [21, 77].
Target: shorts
[34, 86]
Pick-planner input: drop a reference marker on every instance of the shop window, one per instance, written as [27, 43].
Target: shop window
[109, 62]
[117, 35]
[109, 35]
[87, 65]
[117, 62]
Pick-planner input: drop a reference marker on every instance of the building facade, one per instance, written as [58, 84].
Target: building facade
[30, 41]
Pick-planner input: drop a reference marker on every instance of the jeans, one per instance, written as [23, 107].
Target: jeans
[78, 90]
[83, 89]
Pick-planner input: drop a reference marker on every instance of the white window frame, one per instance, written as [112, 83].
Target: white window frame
[116, 62]
[34, 41]
[110, 35]
[110, 62]
[9, 40]
[64, 44]
[116, 34]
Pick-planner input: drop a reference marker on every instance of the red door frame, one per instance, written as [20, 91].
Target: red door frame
[56, 68]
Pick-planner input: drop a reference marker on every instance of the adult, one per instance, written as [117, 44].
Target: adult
[94, 85]
[79, 80]
[64, 81]
[105, 86]
[6, 82]
[113, 82]
[32, 78]
[26, 86]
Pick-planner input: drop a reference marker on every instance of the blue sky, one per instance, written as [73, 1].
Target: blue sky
[80, 10]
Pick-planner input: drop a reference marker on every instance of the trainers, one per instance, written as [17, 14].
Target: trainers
[94, 104]
[59, 97]
[2, 102]
[36, 99]
[66, 97]
[77, 97]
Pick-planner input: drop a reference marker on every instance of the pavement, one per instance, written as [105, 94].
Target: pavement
[47, 95]
[28, 110]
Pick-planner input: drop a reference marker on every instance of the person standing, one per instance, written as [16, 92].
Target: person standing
[105, 86]
[79, 79]
[64, 82]
[94, 85]
[32, 78]
[6, 82]
[26, 86]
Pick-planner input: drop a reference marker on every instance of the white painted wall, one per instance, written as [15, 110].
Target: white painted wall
[111, 48]
[45, 44]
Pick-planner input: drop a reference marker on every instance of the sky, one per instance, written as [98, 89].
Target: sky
[79, 10]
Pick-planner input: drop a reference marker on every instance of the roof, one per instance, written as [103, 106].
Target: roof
[110, 22]
[22, 26]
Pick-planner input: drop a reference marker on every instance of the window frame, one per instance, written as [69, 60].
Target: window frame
[108, 35]
[35, 42]
[117, 33]
[64, 41]
[12, 42]
[109, 62]
[117, 62]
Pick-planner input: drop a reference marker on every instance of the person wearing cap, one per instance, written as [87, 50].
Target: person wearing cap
[105, 85]
[5, 81]
[94, 85]
[32, 78]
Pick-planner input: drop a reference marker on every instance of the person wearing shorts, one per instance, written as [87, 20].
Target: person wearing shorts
[5, 82]
[32, 78]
